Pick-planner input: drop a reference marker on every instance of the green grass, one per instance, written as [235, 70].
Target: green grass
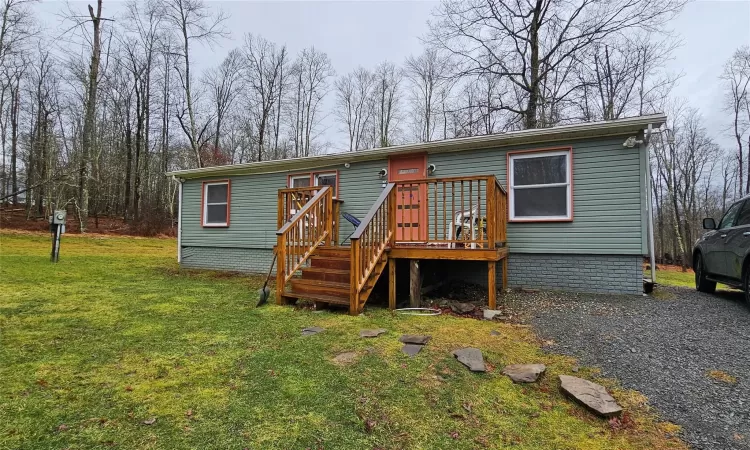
[675, 278]
[115, 334]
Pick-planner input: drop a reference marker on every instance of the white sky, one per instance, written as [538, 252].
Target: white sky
[365, 33]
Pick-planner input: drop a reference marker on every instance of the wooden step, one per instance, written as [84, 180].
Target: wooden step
[330, 262]
[322, 298]
[302, 286]
[325, 274]
[339, 252]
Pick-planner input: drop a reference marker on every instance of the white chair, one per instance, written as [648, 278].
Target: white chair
[462, 220]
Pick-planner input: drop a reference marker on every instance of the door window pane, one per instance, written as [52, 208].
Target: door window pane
[541, 202]
[728, 219]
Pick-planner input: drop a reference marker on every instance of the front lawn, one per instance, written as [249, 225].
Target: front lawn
[116, 347]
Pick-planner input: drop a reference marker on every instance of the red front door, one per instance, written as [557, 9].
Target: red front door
[411, 206]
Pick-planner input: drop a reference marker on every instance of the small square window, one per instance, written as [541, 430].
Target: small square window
[215, 204]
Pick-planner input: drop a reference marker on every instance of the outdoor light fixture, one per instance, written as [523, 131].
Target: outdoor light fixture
[431, 169]
[631, 142]
[347, 165]
[383, 173]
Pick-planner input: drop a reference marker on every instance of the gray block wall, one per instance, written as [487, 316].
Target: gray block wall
[620, 274]
[251, 260]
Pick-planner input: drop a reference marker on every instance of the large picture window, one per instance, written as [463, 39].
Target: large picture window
[540, 186]
[215, 204]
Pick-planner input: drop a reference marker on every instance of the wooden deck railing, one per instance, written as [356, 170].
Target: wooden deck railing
[457, 212]
[291, 200]
[368, 242]
[298, 237]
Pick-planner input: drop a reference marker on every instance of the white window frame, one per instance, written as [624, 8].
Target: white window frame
[204, 219]
[335, 174]
[298, 177]
[512, 187]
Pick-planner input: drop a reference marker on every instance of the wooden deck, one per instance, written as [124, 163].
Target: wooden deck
[461, 218]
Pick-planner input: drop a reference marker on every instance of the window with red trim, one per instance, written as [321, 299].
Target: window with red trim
[215, 204]
[540, 186]
[323, 178]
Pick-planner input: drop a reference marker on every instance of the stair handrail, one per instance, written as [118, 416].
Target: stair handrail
[370, 240]
[297, 239]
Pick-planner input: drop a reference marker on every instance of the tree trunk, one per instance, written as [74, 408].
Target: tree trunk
[89, 123]
[16, 100]
[530, 121]
[128, 166]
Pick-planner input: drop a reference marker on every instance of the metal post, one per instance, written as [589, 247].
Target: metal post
[56, 229]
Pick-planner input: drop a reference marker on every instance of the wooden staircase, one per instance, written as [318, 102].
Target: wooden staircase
[327, 279]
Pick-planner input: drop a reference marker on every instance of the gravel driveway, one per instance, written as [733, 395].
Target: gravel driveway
[663, 348]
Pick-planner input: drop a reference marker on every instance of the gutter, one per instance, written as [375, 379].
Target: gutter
[652, 253]
[179, 218]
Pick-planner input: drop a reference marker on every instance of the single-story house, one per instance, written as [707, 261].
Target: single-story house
[563, 208]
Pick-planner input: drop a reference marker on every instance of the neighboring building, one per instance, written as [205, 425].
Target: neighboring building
[577, 215]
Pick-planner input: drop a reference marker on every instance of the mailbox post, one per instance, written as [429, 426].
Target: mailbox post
[57, 228]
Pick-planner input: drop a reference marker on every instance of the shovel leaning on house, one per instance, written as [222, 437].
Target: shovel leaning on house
[264, 292]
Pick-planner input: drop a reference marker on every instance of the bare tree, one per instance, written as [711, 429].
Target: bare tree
[529, 44]
[736, 79]
[89, 124]
[353, 93]
[311, 73]
[264, 78]
[386, 102]
[430, 78]
[224, 85]
[193, 22]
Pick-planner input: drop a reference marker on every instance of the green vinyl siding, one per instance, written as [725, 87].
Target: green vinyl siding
[608, 201]
[607, 198]
[253, 206]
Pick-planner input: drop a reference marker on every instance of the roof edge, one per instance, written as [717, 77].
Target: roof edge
[531, 136]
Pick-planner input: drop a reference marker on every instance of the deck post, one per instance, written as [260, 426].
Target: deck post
[504, 264]
[391, 284]
[491, 284]
[415, 284]
[280, 268]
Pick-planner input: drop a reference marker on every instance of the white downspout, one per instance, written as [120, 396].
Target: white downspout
[652, 253]
[179, 220]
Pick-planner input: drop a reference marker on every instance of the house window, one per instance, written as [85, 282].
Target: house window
[315, 179]
[216, 204]
[327, 179]
[540, 186]
[299, 181]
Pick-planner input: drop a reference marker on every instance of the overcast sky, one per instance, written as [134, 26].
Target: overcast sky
[365, 33]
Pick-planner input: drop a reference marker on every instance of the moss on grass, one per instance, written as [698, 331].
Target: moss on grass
[115, 334]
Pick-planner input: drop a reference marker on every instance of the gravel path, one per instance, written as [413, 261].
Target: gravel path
[663, 348]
